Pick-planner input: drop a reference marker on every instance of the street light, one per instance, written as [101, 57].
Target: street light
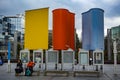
[115, 55]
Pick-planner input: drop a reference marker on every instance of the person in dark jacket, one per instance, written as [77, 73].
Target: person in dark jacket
[19, 67]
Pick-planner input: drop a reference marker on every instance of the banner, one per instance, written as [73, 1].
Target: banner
[36, 29]
[9, 50]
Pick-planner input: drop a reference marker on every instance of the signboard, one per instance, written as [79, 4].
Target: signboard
[38, 56]
[68, 57]
[36, 24]
[51, 59]
[98, 57]
[24, 56]
[52, 56]
[83, 58]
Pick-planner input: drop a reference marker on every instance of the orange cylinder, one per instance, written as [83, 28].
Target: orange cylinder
[72, 31]
[59, 29]
[63, 29]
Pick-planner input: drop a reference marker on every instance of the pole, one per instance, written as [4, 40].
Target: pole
[115, 56]
[15, 45]
[108, 44]
[9, 50]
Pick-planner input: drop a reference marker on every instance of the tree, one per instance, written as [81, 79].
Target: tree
[78, 43]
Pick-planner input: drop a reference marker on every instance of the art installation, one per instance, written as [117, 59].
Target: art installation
[63, 29]
[93, 29]
[36, 29]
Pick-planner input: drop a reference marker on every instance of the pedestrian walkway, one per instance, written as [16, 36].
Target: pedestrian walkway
[108, 75]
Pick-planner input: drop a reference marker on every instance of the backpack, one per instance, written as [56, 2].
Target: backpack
[28, 72]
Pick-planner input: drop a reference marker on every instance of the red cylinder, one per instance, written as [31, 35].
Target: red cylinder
[59, 29]
[63, 22]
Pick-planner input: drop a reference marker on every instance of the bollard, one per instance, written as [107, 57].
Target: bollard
[96, 67]
[9, 66]
[83, 67]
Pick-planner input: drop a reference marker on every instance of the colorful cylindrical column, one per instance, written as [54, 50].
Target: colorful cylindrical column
[63, 29]
[72, 31]
[60, 29]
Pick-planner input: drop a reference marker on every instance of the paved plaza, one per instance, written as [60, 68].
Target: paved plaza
[107, 75]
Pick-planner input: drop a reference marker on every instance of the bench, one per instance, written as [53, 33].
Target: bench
[19, 74]
[97, 73]
[57, 72]
[38, 72]
[23, 73]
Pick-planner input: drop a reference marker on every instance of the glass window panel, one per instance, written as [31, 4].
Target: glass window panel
[68, 57]
[83, 58]
[98, 58]
[37, 57]
[24, 57]
[52, 57]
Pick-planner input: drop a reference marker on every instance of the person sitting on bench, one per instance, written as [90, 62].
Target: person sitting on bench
[30, 65]
[19, 67]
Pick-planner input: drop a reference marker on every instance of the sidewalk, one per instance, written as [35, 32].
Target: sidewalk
[108, 75]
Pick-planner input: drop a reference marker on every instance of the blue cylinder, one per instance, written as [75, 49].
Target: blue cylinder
[93, 29]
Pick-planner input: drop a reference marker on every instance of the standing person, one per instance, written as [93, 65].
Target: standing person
[19, 67]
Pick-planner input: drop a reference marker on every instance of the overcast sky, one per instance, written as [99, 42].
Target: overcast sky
[111, 8]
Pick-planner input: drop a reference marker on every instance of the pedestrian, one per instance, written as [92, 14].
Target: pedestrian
[19, 67]
[29, 69]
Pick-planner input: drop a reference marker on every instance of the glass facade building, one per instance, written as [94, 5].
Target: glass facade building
[13, 24]
[11, 28]
[1, 28]
[115, 32]
[115, 35]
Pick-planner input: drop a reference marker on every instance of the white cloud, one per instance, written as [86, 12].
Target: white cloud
[75, 6]
[78, 25]
[109, 1]
[79, 32]
[84, 4]
[111, 22]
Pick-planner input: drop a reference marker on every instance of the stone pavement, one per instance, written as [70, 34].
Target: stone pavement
[108, 75]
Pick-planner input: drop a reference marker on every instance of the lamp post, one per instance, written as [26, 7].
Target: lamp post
[115, 56]
[15, 44]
